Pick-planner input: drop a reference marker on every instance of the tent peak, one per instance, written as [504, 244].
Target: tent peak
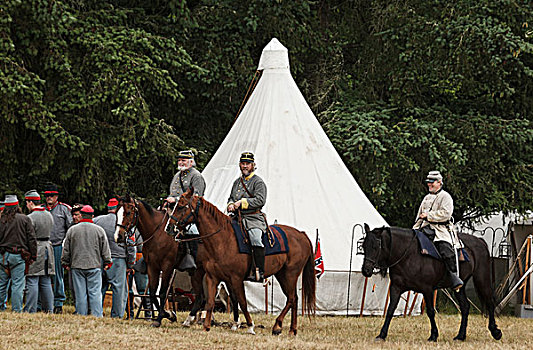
[274, 56]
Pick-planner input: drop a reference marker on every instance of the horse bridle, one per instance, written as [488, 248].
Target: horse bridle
[129, 229]
[376, 262]
[184, 224]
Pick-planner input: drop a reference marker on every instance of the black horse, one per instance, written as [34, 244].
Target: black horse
[397, 249]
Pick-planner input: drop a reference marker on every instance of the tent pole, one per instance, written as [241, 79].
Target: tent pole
[413, 304]
[349, 273]
[528, 252]
[406, 303]
[363, 299]
[386, 301]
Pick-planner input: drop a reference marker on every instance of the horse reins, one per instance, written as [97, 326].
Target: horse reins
[390, 253]
[194, 215]
[130, 228]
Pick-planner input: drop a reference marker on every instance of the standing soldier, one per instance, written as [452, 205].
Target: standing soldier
[86, 247]
[38, 279]
[123, 259]
[248, 195]
[434, 219]
[186, 177]
[18, 248]
[62, 221]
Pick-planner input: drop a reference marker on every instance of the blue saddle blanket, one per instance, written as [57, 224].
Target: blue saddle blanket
[277, 244]
[428, 248]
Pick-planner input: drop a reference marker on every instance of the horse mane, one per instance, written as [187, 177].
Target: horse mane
[220, 218]
[148, 207]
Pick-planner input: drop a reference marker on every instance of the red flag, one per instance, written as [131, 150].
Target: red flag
[319, 262]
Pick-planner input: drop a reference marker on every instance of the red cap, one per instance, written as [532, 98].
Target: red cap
[112, 204]
[87, 209]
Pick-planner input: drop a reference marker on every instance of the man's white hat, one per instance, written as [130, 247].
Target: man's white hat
[433, 176]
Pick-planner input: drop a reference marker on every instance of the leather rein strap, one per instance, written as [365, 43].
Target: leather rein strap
[136, 220]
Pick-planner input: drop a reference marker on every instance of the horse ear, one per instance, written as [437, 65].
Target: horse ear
[367, 228]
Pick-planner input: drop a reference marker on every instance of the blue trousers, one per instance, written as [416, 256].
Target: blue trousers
[16, 265]
[39, 288]
[88, 286]
[59, 285]
[116, 278]
[255, 237]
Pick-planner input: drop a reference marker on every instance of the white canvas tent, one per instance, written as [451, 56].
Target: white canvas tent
[309, 187]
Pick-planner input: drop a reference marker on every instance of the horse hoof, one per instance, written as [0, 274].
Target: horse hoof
[496, 334]
[173, 319]
[156, 324]
[276, 331]
[432, 338]
[235, 327]
[379, 339]
[459, 338]
[293, 332]
[207, 329]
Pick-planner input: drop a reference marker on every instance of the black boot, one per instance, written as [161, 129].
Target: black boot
[448, 257]
[455, 282]
[259, 258]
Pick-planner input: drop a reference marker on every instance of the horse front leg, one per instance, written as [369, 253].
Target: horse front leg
[199, 300]
[153, 284]
[211, 285]
[395, 294]
[464, 306]
[238, 286]
[430, 310]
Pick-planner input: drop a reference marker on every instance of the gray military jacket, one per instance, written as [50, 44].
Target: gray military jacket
[108, 223]
[85, 247]
[62, 222]
[253, 202]
[43, 222]
[189, 177]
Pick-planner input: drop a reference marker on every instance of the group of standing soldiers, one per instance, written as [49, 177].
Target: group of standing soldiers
[37, 248]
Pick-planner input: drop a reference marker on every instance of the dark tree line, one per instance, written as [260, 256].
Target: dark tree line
[99, 96]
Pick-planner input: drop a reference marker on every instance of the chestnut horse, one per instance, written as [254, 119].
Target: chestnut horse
[162, 255]
[223, 262]
[160, 251]
[397, 249]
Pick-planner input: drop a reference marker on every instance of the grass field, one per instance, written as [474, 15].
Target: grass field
[42, 331]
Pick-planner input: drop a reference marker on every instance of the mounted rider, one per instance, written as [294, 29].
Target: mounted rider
[186, 177]
[434, 219]
[248, 195]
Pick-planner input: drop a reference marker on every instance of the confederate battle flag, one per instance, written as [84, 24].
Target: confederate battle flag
[319, 263]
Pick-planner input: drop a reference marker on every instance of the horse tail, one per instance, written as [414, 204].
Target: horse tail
[482, 277]
[309, 284]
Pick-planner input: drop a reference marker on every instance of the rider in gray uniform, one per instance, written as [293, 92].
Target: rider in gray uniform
[186, 177]
[248, 194]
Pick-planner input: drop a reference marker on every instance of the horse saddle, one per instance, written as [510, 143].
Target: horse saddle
[428, 248]
[275, 244]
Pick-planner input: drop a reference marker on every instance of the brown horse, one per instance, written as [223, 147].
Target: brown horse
[224, 262]
[160, 251]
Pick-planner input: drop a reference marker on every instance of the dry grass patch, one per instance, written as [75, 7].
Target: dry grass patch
[42, 331]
